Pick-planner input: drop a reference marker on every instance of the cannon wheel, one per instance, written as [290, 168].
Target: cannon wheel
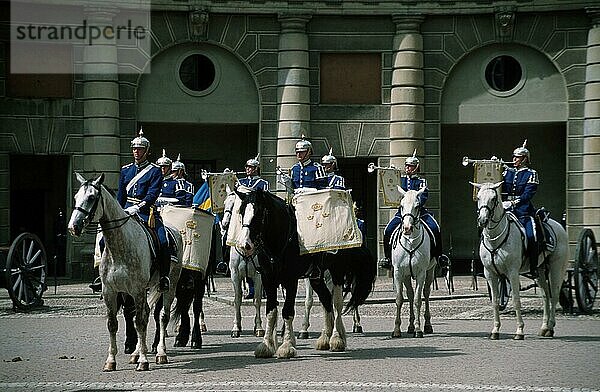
[586, 271]
[26, 271]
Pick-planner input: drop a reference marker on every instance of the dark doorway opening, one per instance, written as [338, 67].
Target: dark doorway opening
[38, 197]
[364, 194]
[547, 145]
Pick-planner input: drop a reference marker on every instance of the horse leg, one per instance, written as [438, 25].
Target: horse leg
[410, 294]
[236, 280]
[494, 283]
[337, 342]
[112, 325]
[199, 291]
[142, 311]
[184, 300]
[308, 304]
[428, 328]
[157, 309]
[266, 349]
[128, 313]
[319, 286]
[516, 297]
[258, 328]
[356, 327]
[399, 286]
[165, 316]
[287, 349]
[418, 300]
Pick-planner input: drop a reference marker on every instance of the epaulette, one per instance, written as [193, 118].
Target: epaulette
[126, 166]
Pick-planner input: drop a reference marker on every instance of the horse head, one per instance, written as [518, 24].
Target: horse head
[87, 200]
[227, 209]
[247, 237]
[488, 200]
[410, 207]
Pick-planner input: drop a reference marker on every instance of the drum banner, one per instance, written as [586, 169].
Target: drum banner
[486, 171]
[389, 180]
[326, 221]
[196, 228]
[218, 189]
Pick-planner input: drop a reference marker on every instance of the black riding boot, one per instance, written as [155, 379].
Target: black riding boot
[386, 262]
[165, 268]
[532, 253]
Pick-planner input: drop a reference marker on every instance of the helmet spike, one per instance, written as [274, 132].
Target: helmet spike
[525, 144]
[164, 153]
[414, 155]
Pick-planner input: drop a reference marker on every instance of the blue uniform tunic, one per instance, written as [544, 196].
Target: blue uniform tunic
[335, 182]
[308, 175]
[255, 182]
[143, 192]
[519, 187]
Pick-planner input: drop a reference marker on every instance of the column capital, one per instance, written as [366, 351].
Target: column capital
[594, 14]
[293, 23]
[407, 23]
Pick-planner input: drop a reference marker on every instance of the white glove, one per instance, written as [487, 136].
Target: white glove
[507, 205]
[132, 210]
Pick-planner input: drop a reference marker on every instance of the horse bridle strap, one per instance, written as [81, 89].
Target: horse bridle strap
[412, 252]
[89, 214]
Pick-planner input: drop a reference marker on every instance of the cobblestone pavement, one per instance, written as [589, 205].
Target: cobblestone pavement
[61, 347]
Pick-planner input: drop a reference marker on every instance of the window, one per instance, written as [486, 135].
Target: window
[197, 72]
[350, 78]
[503, 73]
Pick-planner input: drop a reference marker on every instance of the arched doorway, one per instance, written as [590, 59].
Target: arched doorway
[200, 101]
[493, 99]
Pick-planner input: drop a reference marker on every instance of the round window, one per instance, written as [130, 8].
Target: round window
[503, 73]
[197, 72]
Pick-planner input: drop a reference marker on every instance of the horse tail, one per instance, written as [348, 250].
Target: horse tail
[363, 269]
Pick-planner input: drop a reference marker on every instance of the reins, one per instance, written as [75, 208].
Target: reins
[416, 223]
[490, 240]
[102, 222]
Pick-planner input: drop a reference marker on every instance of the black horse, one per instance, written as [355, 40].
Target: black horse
[272, 235]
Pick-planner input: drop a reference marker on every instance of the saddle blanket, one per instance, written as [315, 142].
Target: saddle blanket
[196, 228]
[326, 221]
[217, 184]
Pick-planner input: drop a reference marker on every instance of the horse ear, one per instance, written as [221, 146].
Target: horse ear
[498, 185]
[476, 185]
[80, 178]
[402, 191]
[228, 189]
[98, 181]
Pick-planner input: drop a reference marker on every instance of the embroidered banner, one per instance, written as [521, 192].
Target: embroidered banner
[196, 227]
[218, 189]
[486, 171]
[389, 179]
[326, 221]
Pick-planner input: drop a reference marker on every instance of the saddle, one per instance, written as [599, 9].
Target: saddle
[546, 238]
[154, 243]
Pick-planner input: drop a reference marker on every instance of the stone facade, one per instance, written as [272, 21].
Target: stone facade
[277, 45]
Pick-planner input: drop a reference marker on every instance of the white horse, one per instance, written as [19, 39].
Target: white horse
[502, 253]
[240, 268]
[124, 267]
[412, 260]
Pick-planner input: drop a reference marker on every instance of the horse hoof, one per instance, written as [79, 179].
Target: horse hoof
[154, 350]
[196, 345]
[142, 367]
[549, 333]
[178, 343]
[303, 335]
[411, 330]
[134, 359]
[203, 328]
[109, 367]
[161, 360]
[259, 333]
[357, 329]
[494, 336]
[396, 334]
[428, 329]
[519, 337]
[129, 348]
[419, 334]
[235, 334]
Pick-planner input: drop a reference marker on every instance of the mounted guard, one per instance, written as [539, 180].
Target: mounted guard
[183, 190]
[412, 181]
[333, 180]
[306, 173]
[253, 179]
[140, 183]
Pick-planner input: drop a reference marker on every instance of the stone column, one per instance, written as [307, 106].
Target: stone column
[591, 127]
[101, 146]
[293, 96]
[406, 114]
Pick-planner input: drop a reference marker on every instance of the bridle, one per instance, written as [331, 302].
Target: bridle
[89, 214]
[491, 211]
[504, 232]
[416, 221]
